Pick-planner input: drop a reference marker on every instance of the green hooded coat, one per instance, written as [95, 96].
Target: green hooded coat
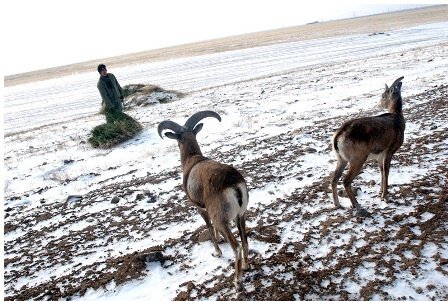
[111, 93]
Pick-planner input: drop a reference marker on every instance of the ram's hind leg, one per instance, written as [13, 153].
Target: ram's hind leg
[334, 181]
[241, 224]
[354, 170]
[211, 230]
[224, 229]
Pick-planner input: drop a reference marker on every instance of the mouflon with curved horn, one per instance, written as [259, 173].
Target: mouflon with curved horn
[218, 190]
[377, 137]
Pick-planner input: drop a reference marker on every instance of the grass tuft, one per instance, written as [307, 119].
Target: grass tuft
[118, 128]
[132, 89]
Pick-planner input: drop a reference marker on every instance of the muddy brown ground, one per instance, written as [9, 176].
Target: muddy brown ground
[383, 250]
[291, 261]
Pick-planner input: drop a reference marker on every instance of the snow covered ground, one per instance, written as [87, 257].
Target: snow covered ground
[280, 105]
[45, 102]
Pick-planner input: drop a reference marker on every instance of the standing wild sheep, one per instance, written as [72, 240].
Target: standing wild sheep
[377, 137]
[218, 190]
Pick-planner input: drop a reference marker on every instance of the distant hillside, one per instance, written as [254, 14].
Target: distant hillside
[380, 22]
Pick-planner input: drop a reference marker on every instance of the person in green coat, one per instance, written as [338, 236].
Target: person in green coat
[110, 90]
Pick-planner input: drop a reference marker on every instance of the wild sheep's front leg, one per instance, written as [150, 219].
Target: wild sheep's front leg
[385, 176]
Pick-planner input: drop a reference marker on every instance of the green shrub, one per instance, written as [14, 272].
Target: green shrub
[118, 128]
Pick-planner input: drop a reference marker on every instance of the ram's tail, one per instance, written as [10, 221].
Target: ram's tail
[335, 140]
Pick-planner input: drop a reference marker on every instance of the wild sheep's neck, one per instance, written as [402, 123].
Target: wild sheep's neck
[396, 107]
[190, 153]
[396, 110]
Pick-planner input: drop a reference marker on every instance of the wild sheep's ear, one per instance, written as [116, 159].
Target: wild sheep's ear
[395, 89]
[197, 128]
[386, 88]
[172, 135]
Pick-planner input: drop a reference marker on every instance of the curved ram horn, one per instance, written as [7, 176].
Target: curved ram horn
[195, 118]
[397, 81]
[168, 125]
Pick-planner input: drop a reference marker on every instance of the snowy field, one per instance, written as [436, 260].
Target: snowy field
[280, 105]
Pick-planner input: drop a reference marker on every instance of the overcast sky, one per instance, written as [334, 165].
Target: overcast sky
[47, 33]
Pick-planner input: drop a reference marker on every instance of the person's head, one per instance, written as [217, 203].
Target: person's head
[102, 69]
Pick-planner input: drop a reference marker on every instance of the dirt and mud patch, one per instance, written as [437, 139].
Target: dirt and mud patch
[313, 250]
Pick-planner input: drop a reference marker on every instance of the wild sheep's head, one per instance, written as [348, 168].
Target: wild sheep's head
[391, 94]
[189, 130]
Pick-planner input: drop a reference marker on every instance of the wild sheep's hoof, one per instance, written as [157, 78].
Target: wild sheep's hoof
[238, 286]
[338, 206]
[217, 254]
[362, 212]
